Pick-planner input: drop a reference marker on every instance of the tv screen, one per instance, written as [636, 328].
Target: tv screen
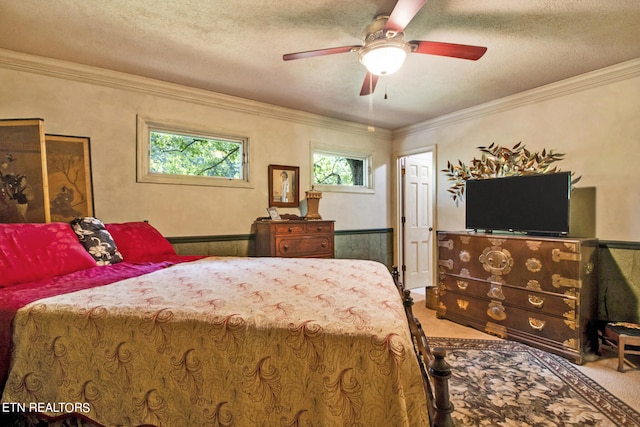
[530, 203]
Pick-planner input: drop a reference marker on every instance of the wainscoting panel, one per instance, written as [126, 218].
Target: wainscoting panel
[230, 245]
[619, 284]
[375, 244]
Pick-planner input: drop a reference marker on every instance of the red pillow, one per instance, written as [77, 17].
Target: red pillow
[139, 241]
[31, 252]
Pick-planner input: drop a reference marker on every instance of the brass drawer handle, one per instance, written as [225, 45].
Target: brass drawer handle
[535, 301]
[536, 324]
[319, 228]
[323, 244]
[290, 229]
[285, 247]
[462, 285]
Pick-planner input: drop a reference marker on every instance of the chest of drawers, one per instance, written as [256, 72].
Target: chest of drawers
[295, 238]
[537, 290]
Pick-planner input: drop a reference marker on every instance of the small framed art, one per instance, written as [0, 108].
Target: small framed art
[273, 213]
[69, 176]
[284, 186]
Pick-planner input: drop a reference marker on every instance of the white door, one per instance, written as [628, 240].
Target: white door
[417, 188]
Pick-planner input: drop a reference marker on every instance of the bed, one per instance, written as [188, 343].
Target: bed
[219, 341]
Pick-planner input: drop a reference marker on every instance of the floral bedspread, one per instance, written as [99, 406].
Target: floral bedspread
[224, 342]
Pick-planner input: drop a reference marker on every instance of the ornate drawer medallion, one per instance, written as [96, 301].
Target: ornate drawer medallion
[534, 245]
[495, 292]
[533, 265]
[496, 260]
[496, 311]
[465, 256]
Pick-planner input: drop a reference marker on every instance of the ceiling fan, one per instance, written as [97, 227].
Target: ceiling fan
[384, 49]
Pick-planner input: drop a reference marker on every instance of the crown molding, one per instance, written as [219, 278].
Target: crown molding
[20, 61]
[604, 76]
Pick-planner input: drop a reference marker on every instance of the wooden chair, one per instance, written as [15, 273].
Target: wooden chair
[625, 337]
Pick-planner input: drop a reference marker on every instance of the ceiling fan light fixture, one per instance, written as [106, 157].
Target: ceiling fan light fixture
[384, 57]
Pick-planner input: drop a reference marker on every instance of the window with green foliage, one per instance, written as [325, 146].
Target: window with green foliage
[336, 171]
[169, 154]
[176, 154]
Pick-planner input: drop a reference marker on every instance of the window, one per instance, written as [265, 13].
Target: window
[335, 170]
[176, 155]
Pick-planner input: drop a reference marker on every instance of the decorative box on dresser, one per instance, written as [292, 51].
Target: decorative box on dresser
[294, 238]
[538, 290]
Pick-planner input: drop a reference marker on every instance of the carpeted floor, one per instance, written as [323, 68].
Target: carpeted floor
[598, 380]
[504, 383]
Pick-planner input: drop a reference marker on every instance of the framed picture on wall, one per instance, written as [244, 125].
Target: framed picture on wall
[69, 175]
[284, 186]
[23, 177]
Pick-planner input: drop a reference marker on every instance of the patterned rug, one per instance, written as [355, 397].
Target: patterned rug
[504, 383]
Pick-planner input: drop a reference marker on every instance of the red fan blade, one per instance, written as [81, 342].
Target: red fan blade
[369, 84]
[453, 50]
[319, 52]
[403, 13]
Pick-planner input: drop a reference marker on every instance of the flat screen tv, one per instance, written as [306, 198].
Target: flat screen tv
[535, 204]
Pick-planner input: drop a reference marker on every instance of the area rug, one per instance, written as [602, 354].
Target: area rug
[504, 383]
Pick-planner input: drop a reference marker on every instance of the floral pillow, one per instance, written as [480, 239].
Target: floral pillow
[96, 240]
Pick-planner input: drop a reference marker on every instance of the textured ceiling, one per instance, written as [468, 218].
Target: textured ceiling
[236, 48]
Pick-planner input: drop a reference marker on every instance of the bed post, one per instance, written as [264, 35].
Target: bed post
[396, 279]
[435, 369]
[440, 373]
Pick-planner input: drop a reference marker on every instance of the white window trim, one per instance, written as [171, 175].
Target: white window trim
[367, 155]
[144, 174]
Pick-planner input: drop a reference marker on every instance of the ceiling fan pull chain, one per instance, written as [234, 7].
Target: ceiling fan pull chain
[371, 127]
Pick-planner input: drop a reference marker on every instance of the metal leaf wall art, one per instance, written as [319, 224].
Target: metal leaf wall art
[497, 161]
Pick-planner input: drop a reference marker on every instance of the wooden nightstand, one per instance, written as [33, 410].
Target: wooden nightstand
[294, 238]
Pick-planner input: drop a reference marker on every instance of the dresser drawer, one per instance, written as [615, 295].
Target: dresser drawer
[319, 227]
[554, 265]
[286, 229]
[321, 246]
[560, 305]
[497, 316]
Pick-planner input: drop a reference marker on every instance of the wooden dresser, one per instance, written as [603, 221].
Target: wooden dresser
[294, 238]
[538, 290]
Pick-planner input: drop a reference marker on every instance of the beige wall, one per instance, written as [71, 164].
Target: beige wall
[103, 105]
[594, 119]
